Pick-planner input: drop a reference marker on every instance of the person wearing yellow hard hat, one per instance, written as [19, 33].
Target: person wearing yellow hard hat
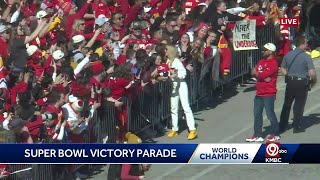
[128, 171]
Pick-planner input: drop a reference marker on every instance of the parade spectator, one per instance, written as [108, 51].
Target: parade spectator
[179, 92]
[266, 72]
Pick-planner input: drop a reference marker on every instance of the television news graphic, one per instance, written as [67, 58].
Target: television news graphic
[289, 21]
[224, 153]
[269, 153]
[274, 151]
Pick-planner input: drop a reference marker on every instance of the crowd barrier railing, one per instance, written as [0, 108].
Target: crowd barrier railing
[243, 61]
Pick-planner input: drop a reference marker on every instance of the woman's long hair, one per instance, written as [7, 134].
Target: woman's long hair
[161, 51]
[123, 70]
[179, 42]
[75, 26]
[198, 53]
[172, 53]
[151, 65]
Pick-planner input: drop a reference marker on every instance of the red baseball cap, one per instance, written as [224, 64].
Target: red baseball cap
[97, 66]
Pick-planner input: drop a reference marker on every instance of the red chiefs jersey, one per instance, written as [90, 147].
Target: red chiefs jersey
[142, 42]
[101, 8]
[39, 42]
[284, 30]
[118, 87]
[163, 69]
[189, 5]
[267, 68]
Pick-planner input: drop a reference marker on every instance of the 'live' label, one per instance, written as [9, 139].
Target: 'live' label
[289, 21]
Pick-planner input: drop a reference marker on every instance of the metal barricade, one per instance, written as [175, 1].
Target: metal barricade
[42, 172]
[193, 83]
[243, 61]
[143, 109]
[267, 34]
[105, 127]
[165, 90]
[239, 64]
[149, 107]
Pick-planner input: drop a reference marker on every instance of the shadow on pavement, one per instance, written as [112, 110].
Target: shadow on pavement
[307, 122]
[249, 89]
[215, 100]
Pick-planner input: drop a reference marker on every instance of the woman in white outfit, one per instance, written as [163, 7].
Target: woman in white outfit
[179, 91]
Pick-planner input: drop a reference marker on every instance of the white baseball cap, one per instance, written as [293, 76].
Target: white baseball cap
[31, 49]
[270, 47]
[147, 9]
[202, 4]
[3, 28]
[41, 14]
[101, 20]
[77, 38]
[58, 54]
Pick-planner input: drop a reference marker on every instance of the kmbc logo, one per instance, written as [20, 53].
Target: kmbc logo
[273, 152]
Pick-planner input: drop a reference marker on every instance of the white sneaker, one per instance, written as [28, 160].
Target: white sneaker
[273, 138]
[104, 140]
[254, 139]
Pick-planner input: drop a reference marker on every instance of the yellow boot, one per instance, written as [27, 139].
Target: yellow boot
[172, 133]
[192, 134]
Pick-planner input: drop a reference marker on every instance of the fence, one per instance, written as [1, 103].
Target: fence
[149, 108]
[243, 61]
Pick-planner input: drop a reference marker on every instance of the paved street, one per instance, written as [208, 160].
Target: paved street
[231, 122]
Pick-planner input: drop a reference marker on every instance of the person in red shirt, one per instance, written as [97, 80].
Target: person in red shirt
[118, 84]
[137, 36]
[284, 43]
[70, 10]
[117, 24]
[56, 100]
[266, 73]
[99, 74]
[78, 28]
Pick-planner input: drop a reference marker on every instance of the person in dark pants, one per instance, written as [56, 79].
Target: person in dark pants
[266, 73]
[298, 68]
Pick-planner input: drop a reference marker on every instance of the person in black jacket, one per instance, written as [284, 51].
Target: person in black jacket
[220, 18]
[172, 30]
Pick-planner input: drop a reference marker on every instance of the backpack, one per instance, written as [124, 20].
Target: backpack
[114, 172]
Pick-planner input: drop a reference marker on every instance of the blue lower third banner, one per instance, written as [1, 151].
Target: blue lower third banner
[158, 153]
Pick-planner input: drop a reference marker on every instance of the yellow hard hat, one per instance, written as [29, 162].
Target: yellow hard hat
[99, 51]
[132, 138]
[315, 54]
[73, 65]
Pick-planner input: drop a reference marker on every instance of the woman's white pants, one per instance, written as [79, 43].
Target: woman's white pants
[180, 91]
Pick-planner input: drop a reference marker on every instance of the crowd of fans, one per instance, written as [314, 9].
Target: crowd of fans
[62, 59]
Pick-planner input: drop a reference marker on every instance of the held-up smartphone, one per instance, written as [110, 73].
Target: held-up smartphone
[284, 7]
[94, 88]
[139, 70]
